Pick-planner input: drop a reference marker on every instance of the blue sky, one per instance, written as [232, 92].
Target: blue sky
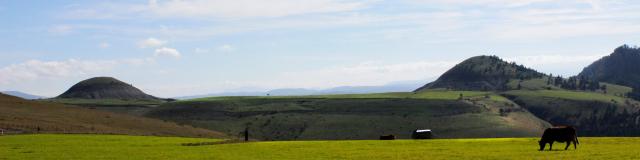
[185, 47]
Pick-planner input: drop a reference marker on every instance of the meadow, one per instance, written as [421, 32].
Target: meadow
[48, 146]
[569, 95]
[356, 116]
[431, 94]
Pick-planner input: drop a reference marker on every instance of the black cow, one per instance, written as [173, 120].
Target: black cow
[559, 134]
[387, 137]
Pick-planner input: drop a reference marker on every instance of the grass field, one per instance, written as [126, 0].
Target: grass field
[357, 116]
[141, 147]
[430, 94]
[570, 95]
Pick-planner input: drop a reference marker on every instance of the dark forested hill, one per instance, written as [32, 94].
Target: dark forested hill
[621, 67]
[104, 88]
[482, 73]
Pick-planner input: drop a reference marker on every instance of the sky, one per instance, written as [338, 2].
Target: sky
[172, 48]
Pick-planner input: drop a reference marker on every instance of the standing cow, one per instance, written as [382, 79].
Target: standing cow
[559, 134]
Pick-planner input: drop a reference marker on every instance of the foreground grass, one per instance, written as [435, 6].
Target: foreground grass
[138, 147]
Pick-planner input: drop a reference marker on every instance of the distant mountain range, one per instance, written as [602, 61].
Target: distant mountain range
[400, 86]
[22, 95]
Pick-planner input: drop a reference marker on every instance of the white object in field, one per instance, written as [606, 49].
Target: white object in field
[423, 130]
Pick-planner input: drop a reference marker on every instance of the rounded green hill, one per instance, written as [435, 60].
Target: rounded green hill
[482, 73]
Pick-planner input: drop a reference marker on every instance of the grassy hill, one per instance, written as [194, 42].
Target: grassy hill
[143, 147]
[357, 116]
[486, 73]
[22, 116]
[136, 107]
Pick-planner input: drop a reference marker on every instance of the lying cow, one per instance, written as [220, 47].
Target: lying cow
[559, 134]
[388, 137]
[421, 134]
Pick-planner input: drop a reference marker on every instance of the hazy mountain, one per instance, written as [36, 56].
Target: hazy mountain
[104, 88]
[400, 86]
[22, 95]
[481, 73]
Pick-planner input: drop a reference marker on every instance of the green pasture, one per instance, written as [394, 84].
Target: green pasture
[431, 94]
[141, 147]
[570, 95]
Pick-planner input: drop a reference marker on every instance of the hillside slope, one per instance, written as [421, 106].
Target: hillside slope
[486, 73]
[22, 116]
[22, 95]
[360, 116]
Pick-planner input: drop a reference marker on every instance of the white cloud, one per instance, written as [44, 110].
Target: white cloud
[226, 48]
[61, 29]
[138, 61]
[565, 65]
[165, 51]
[488, 3]
[33, 70]
[365, 73]
[248, 8]
[104, 45]
[201, 50]
[487, 19]
[151, 43]
[540, 20]
[36, 69]
[215, 8]
[537, 60]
